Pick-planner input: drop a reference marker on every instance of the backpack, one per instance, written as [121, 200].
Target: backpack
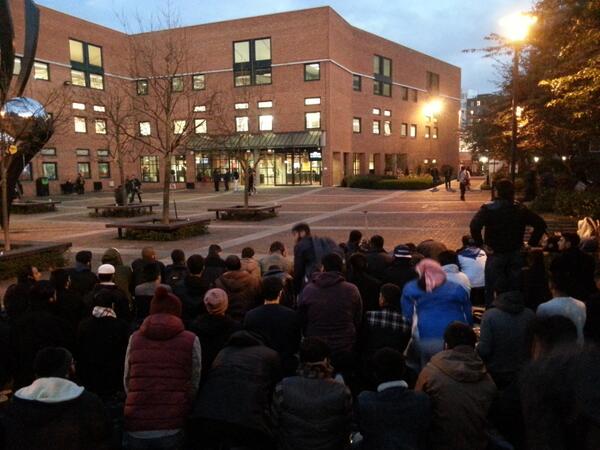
[322, 246]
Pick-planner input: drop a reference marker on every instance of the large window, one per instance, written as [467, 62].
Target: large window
[149, 169]
[376, 127]
[103, 170]
[252, 62]
[87, 68]
[356, 125]
[312, 120]
[50, 170]
[382, 72]
[242, 124]
[80, 124]
[200, 126]
[198, 82]
[356, 82]
[100, 126]
[178, 169]
[387, 128]
[84, 169]
[433, 82]
[413, 131]
[265, 123]
[179, 126]
[41, 71]
[142, 87]
[312, 72]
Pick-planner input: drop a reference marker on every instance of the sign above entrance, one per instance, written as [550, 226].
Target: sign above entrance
[315, 156]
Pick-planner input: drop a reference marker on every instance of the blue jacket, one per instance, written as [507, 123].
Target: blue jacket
[435, 310]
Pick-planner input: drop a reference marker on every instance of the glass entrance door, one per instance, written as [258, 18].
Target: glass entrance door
[297, 168]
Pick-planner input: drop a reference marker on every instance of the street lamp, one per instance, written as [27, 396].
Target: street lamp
[536, 159]
[516, 28]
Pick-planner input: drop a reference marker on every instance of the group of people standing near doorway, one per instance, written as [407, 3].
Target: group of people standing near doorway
[463, 178]
[228, 177]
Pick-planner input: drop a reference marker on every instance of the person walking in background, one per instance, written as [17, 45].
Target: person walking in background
[216, 176]
[80, 184]
[448, 178]
[464, 179]
[135, 188]
[236, 180]
[227, 179]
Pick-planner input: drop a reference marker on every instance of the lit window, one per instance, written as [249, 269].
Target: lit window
[376, 111]
[103, 170]
[79, 106]
[376, 126]
[435, 133]
[77, 78]
[241, 106]
[200, 126]
[41, 71]
[177, 84]
[86, 64]
[99, 108]
[142, 87]
[17, 66]
[241, 124]
[102, 153]
[145, 129]
[179, 126]
[265, 123]
[356, 82]
[96, 81]
[413, 131]
[312, 120]
[403, 129]
[94, 55]
[200, 108]
[252, 62]
[50, 170]
[84, 169]
[265, 104]
[82, 152]
[80, 124]
[48, 151]
[76, 51]
[387, 113]
[427, 133]
[178, 168]
[478, 102]
[312, 72]
[198, 82]
[387, 128]
[149, 168]
[312, 101]
[100, 126]
[356, 125]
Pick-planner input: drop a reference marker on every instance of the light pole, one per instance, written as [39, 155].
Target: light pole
[516, 28]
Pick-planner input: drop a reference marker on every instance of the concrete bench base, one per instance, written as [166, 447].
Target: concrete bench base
[154, 230]
[244, 212]
[33, 207]
[133, 209]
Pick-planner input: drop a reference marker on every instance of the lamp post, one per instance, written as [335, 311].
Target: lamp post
[516, 28]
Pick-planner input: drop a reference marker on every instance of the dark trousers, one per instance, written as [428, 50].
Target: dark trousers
[502, 271]
[463, 188]
[448, 182]
[226, 185]
[216, 186]
[132, 196]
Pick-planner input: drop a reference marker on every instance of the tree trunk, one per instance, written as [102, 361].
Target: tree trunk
[166, 188]
[5, 219]
[122, 181]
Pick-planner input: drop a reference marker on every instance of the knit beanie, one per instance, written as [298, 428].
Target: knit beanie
[164, 302]
[216, 301]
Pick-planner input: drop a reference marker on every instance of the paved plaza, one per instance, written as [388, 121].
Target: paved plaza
[399, 216]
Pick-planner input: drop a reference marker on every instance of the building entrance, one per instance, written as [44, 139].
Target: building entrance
[297, 168]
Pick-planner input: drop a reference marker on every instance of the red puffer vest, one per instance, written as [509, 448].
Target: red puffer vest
[160, 370]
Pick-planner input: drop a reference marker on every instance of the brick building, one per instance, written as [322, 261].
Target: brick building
[315, 97]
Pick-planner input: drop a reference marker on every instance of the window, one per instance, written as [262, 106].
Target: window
[99, 108]
[382, 72]
[415, 95]
[178, 169]
[404, 93]
[82, 152]
[376, 111]
[17, 66]
[265, 123]
[198, 82]
[80, 124]
[357, 82]
[312, 72]
[177, 84]
[87, 67]
[50, 170]
[356, 125]
[27, 173]
[145, 129]
[79, 106]
[149, 169]
[84, 169]
[356, 163]
[252, 62]
[103, 170]
[435, 133]
[241, 124]
[403, 129]
[200, 108]
[387, 128]
[312, 120]
[427, 132]
[179, 126]
[413, 131]
[265, 104]
[48, 152]
[100, 126]
[142, 87]
[433, 82]
[200, 126]
[102, 153]
[387, 113]
[41, 71]
[376, 126]
[241, 106]
[312, 101]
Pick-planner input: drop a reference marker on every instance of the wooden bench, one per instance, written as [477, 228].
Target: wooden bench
[155, 225]
[135, 208]
[245, 210]
[33, 206]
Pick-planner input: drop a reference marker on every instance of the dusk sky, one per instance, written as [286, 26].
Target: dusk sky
[442, 28]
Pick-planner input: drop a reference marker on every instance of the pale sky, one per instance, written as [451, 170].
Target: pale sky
[440, 28]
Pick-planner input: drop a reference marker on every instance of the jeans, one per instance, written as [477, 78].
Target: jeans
[173, 442]
[502, 271]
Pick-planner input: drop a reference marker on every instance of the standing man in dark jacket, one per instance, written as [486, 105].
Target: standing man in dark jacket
[401, 271]
[304, 255]
[192, 288]
[216, 176]
[214, 265]
[17, 296]
[377, 258]
[576, 266]
[227, 179]
[82, 278]
[176, 271]
[504, 221]
[241, 287]
[148, 257]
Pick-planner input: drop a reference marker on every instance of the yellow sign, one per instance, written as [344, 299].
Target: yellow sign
[12, 149]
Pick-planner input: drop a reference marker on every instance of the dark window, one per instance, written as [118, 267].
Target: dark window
[142, 87]
[382, 72]
[50, 170]
[357, 82]
[252, 62]
[415, 95]
[177, 84]
[103, 170]
[312, 72]
[433, 82]
[404, 92]
[84, 169]
[87, 68]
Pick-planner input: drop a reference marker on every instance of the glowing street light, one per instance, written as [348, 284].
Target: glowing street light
[433, 108]
[536, 159]
[564, 158]
[516, 26]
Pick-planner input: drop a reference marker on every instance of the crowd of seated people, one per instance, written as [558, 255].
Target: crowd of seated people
[336, 346]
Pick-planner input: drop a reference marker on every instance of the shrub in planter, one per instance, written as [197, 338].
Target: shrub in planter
[154, 235]
[43, 261]
[578, 204]
[544, 201]
[406, 183]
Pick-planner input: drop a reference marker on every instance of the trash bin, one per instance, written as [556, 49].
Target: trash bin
[97, 186]
[190, 185]
[42, 187]
[119, 196]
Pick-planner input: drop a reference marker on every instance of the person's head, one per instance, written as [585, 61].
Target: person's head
[29, 274]
[272, 287]
[560, 284]
[358, 262]
[551, 333]
[247, 252]
[56, 362]
[214, 249]
[459, 334]
[355, 236]
[164, 302]
[376, 242]
[388, 365]
[448, 257]
[60, 279]
[402, 253]
[568, 240]
[389, 296]
[151, 272]
[84, 257]
[505, 190]
[178, 257]
[148, 254]
[42, 294]
[232, 263]
[314, 350]
[332, 262]
[216, 302]
[468, 241]
[431, 275]
[106, 272]
[195, 264]
[277, 247]
[300, 230]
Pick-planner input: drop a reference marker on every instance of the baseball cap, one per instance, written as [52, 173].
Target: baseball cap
[402, 251]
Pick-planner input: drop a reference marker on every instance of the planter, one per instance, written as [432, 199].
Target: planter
[33, 207]
[153, 230]
[241, 212]
[38, 254]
